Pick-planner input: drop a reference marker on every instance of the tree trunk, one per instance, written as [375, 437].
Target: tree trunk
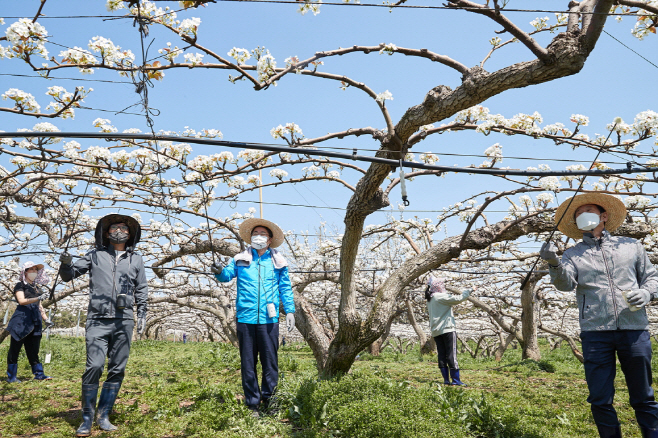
[422, 337]
[504, 343]
[376, 347]
[529, 319]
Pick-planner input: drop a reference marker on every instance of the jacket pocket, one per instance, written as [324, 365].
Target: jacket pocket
[582, 309]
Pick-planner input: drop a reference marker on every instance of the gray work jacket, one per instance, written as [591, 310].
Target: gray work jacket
[599, 270]
[109, 277]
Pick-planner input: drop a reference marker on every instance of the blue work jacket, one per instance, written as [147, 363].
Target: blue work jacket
[259, 283]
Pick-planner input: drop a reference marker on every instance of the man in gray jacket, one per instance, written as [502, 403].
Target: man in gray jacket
[117, 282]
[614, 280]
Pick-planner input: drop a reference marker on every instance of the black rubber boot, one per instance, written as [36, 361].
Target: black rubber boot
[456, 380]
[648, 433]
[105, 405]
[89, 394]
[609, 431]
[12, 370]
[446, 375]
[37, 370]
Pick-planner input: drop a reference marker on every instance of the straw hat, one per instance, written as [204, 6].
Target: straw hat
[248, 226]
[613, 206]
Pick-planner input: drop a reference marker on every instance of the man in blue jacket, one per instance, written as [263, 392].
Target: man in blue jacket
[263, 281]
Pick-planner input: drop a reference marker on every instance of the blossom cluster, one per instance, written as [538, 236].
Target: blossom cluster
[266, 66]
[189, 27]
[310, 6]
[389, 49]
[386, 95]
[291, 131]
[27, 39]
[22, 101]
[241, 56]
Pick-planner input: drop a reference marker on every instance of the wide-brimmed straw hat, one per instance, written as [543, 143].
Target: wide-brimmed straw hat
[613, 206]
[248, 226]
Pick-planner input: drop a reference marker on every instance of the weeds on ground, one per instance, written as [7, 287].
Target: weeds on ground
[194, 389]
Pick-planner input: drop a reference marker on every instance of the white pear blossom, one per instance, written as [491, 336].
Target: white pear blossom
[549, 183]
[495, 151]
[189, 26]
[46, 127]
[27, 38]
[386, 95]
[169, 53]
[637, 201]
[389, 49]
[241, 56]
[310, 6]
[539, 23]
[80, 57]
[429, 158]
[283, 131]
[194, 59]
[111, 54]
[580, 119]
[104, 124]
[22, 101]
[278, 173]
[266, 66]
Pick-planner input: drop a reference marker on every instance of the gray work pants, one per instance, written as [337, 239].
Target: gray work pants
[109, 338]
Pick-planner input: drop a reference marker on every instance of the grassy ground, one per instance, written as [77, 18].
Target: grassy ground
[194, 389]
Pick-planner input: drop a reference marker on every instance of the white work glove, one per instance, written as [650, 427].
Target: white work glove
[638, 297]
[66, 258]
[290, 321]
[548, 252]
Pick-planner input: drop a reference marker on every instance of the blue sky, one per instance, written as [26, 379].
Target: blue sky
[614, 82]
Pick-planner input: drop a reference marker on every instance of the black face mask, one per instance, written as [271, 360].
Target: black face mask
[118, 237]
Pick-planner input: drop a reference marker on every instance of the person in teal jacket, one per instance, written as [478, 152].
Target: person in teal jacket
[262, 283]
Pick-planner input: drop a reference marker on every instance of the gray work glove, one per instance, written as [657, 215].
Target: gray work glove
[141, 324]
[217, 268]
[43, 297]
[548, 252]
[638, 297]
[48, 323]
[290, 321]
[66, 258]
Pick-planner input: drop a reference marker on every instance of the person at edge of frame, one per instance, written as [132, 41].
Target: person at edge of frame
[263, 281]
[26, 324]
[614, 280]
[117, 282]
[443, 327]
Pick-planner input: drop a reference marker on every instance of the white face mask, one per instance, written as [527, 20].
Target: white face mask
[588, 221]
[258, 242]
[32, 275]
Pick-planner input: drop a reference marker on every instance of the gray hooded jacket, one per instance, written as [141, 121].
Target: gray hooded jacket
[599, 270]
[109, 276]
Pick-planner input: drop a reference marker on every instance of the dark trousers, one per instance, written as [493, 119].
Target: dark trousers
[31, 342]
[446, 347]
[107, 338]
[633, 348]
[258, 340]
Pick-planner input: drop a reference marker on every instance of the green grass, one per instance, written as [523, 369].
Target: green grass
[194, 389]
